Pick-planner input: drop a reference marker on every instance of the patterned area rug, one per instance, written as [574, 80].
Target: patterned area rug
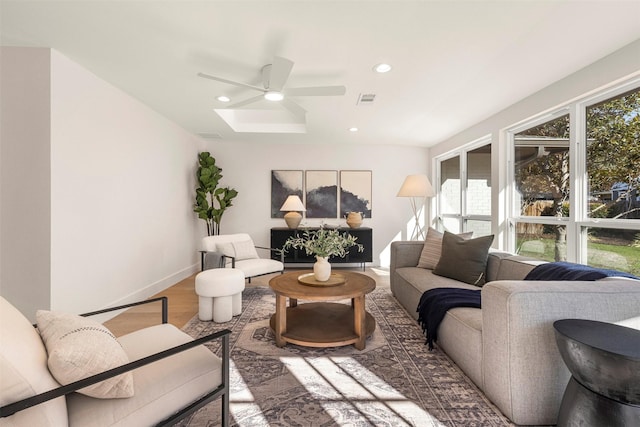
[395, 381]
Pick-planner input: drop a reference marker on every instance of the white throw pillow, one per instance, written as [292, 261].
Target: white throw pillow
[239, 250]
[432, 249]
[245, 250]
[79, 347]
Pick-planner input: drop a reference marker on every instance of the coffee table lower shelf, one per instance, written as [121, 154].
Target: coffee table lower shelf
[322, 324]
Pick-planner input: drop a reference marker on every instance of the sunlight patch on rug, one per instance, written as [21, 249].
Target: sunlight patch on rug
[350, 388]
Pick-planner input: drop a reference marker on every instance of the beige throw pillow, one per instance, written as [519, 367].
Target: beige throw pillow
[464, 260]
[79, 347]
[433, 248]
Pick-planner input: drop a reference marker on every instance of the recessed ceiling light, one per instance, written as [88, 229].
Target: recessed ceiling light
[273, 95]
[223, 98]
[382, 68]
[353, 129]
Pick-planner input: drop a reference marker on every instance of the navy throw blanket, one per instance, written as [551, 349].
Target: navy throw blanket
[434, 304]
[569, 271]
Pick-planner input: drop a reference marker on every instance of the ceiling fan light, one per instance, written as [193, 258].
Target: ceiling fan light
[382, 68]
[273, 95]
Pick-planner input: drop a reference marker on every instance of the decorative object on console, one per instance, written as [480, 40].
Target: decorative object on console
[354, 219]
[293, 206]
[414, 187]
[355, 192]
[323, 244]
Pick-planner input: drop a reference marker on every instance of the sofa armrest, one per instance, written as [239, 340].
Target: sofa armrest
[405, 254]
[524, 374]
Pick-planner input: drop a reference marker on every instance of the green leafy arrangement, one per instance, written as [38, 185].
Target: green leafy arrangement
[323, 243]
[211, 201]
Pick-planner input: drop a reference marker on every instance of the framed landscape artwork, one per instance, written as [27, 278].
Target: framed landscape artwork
[355, 192]
[321, 191]
[283, 184]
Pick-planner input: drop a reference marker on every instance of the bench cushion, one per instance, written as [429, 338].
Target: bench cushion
[161, 388]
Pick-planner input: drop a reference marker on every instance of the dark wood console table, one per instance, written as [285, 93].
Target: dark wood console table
[279, 235]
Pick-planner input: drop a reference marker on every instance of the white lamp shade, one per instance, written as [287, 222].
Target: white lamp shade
[416, 186]
[293, 203]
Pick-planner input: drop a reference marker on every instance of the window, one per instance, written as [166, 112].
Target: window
[464, 180]
[576, 183]
[613, 157]
[541, 173]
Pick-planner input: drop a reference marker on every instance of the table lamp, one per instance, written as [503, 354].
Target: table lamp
[293, 206]
[416, 186]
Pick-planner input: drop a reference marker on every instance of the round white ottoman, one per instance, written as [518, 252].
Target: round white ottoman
[220, 294]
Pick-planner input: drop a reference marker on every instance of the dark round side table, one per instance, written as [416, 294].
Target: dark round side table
[604, 361]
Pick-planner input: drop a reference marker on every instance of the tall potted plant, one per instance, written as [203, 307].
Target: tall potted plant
[211, 201]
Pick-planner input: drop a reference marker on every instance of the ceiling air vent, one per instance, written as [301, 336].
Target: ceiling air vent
[366, 99]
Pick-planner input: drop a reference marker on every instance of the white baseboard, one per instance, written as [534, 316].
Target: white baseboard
[148, 291]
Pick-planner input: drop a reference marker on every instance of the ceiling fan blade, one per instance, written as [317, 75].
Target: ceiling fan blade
[316, 91]
[245, 102]
[279, 73]
[231, 82]
[297, 110]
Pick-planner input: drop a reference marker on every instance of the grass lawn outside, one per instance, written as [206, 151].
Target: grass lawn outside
[621, 256]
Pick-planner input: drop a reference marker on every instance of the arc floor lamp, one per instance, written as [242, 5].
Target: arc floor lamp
[416, 187]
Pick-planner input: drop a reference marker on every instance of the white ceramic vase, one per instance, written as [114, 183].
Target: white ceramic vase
[322, 269]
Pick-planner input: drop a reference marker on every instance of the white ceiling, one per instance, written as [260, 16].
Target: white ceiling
[454, 62]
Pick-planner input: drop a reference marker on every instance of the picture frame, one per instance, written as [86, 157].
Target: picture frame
[321, 193]
[283, 184]
[355, 192]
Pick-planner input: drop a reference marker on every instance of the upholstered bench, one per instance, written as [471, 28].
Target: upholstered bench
[219, 294]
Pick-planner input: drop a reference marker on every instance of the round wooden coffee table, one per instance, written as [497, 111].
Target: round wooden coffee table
[322, 323]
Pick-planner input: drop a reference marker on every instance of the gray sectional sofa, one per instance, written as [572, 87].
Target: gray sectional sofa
[507, 348]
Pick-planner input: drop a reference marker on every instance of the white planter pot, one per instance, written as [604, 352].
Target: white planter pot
[322, 269]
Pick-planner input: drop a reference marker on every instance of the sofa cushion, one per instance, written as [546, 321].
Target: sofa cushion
[464, 259]
[162, 387]
[432, 248]
[79, 347]
[24, 372]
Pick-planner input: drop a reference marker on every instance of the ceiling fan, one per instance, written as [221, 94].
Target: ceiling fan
[274, 79]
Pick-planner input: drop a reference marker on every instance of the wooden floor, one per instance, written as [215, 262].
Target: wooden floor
[183, 304]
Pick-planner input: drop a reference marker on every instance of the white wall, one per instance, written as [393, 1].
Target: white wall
[25, 207]
[622, 64]
[96, 189]
[121, 182]
[247, 168]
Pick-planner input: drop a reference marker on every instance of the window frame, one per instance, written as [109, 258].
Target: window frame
[578, 221]
[461, 153]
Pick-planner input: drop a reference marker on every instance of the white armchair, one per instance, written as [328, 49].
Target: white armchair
[169, 375]
[238, 251]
